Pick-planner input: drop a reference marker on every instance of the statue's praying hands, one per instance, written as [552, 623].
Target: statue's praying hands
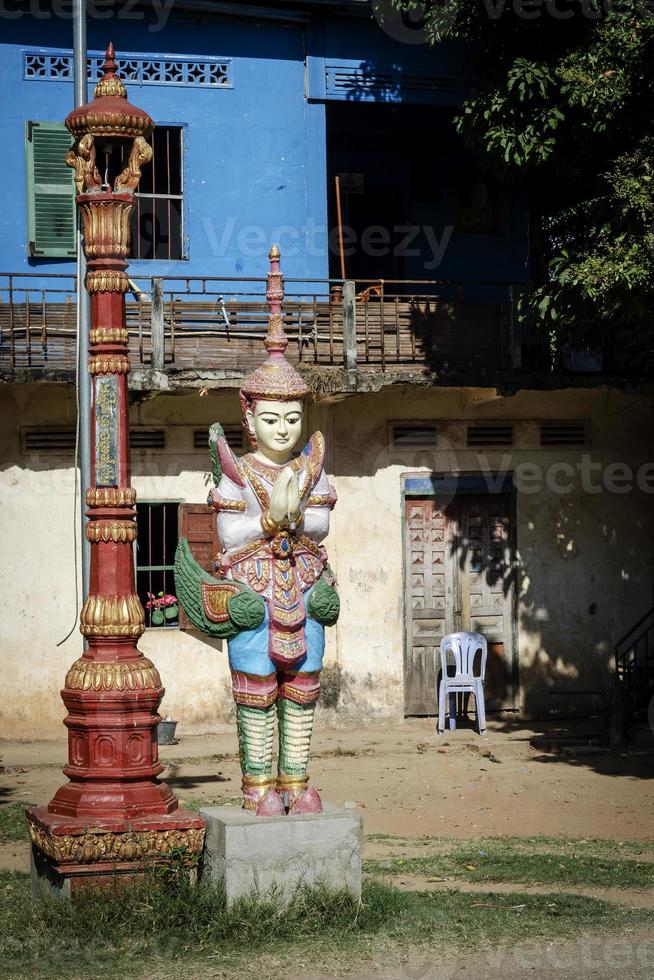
[285, 498]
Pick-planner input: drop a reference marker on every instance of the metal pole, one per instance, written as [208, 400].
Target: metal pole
[83, 305]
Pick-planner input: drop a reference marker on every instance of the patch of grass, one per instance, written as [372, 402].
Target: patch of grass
[13, 826]
[541, 861]
[166, 926]
[165, 919]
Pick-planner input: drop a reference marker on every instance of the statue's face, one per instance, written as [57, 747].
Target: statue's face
[277, 426]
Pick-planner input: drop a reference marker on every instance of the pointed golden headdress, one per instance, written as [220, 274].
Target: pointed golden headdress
[276, 379]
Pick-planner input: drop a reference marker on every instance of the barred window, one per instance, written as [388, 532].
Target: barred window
[155, 557]
[161, 523]
[157, 221]
[158, 213]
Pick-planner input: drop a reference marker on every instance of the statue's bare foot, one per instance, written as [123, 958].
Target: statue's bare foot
[270, 805]
[308, 802]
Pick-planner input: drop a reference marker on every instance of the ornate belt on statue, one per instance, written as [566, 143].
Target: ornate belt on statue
[296, 542]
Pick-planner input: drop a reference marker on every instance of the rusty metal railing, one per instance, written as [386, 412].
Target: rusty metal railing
[211, 322]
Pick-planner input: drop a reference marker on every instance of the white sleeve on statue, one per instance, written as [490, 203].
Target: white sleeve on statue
[316, 519]
[237, 528]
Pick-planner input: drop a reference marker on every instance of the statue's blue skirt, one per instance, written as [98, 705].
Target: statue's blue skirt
[248, 652]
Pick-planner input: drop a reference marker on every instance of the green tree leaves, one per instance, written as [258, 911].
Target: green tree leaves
[567, 102]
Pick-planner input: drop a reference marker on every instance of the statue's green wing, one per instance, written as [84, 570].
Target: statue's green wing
[216, 432]
[246, 610]
[324, 604]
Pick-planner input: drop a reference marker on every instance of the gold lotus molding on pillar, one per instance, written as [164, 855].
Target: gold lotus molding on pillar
[131, 675]
[110, 496]
[121, 532]
[104, 615]
[106, 227]
[107, 282]
[109, 364]
[108, 335]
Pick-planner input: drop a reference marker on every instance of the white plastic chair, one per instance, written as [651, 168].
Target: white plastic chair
[464, 648]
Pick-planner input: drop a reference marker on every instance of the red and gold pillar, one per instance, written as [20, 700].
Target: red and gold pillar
[113, 816]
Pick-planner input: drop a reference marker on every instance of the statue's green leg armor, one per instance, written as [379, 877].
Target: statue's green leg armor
[296, 709]
[255, 739]
[255, 718]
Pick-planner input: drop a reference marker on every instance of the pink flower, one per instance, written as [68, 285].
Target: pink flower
[161, 601]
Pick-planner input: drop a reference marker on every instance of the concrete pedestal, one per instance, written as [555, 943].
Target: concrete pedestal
[273, 855]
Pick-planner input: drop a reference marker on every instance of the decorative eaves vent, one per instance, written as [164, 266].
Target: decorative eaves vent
[388, 85]
[233, 433]
[563, 434]
[143, 438]
[47, 439]
[490, 435]
[57, 66]
[405, 435]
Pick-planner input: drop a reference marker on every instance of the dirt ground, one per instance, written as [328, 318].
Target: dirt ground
[515, 780]
[596, 958]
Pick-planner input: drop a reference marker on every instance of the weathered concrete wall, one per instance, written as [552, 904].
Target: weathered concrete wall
[584, 557]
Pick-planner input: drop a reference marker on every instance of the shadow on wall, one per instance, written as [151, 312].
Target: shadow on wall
[583, 581]
[578, 575]
[581, 572]
[575, 681]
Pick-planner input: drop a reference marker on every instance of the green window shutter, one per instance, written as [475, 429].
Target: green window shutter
[51, 218]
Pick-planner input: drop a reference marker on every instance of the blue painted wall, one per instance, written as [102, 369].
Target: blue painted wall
[255, 163]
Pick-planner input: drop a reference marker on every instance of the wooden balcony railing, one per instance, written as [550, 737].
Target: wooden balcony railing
[209, 323]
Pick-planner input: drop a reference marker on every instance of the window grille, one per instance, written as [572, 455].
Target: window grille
[388, 85]
[157, 221]
[143, 438]
[61, 439]
[479, 436]
[405, 435]
[57, 66]
[155, 553]
[234, 435]
[563, 434]
[48, 439]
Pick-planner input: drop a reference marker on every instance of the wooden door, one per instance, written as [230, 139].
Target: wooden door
[457, 577]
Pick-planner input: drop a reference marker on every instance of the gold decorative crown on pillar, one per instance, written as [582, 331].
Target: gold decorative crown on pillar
[110, 148]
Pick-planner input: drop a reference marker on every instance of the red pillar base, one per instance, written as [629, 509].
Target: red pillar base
[69, 853]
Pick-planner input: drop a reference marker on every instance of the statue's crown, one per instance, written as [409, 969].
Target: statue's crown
[276, 379]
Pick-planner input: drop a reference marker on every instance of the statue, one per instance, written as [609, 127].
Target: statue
[130, 177]
[81, 157]
[274, 592]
